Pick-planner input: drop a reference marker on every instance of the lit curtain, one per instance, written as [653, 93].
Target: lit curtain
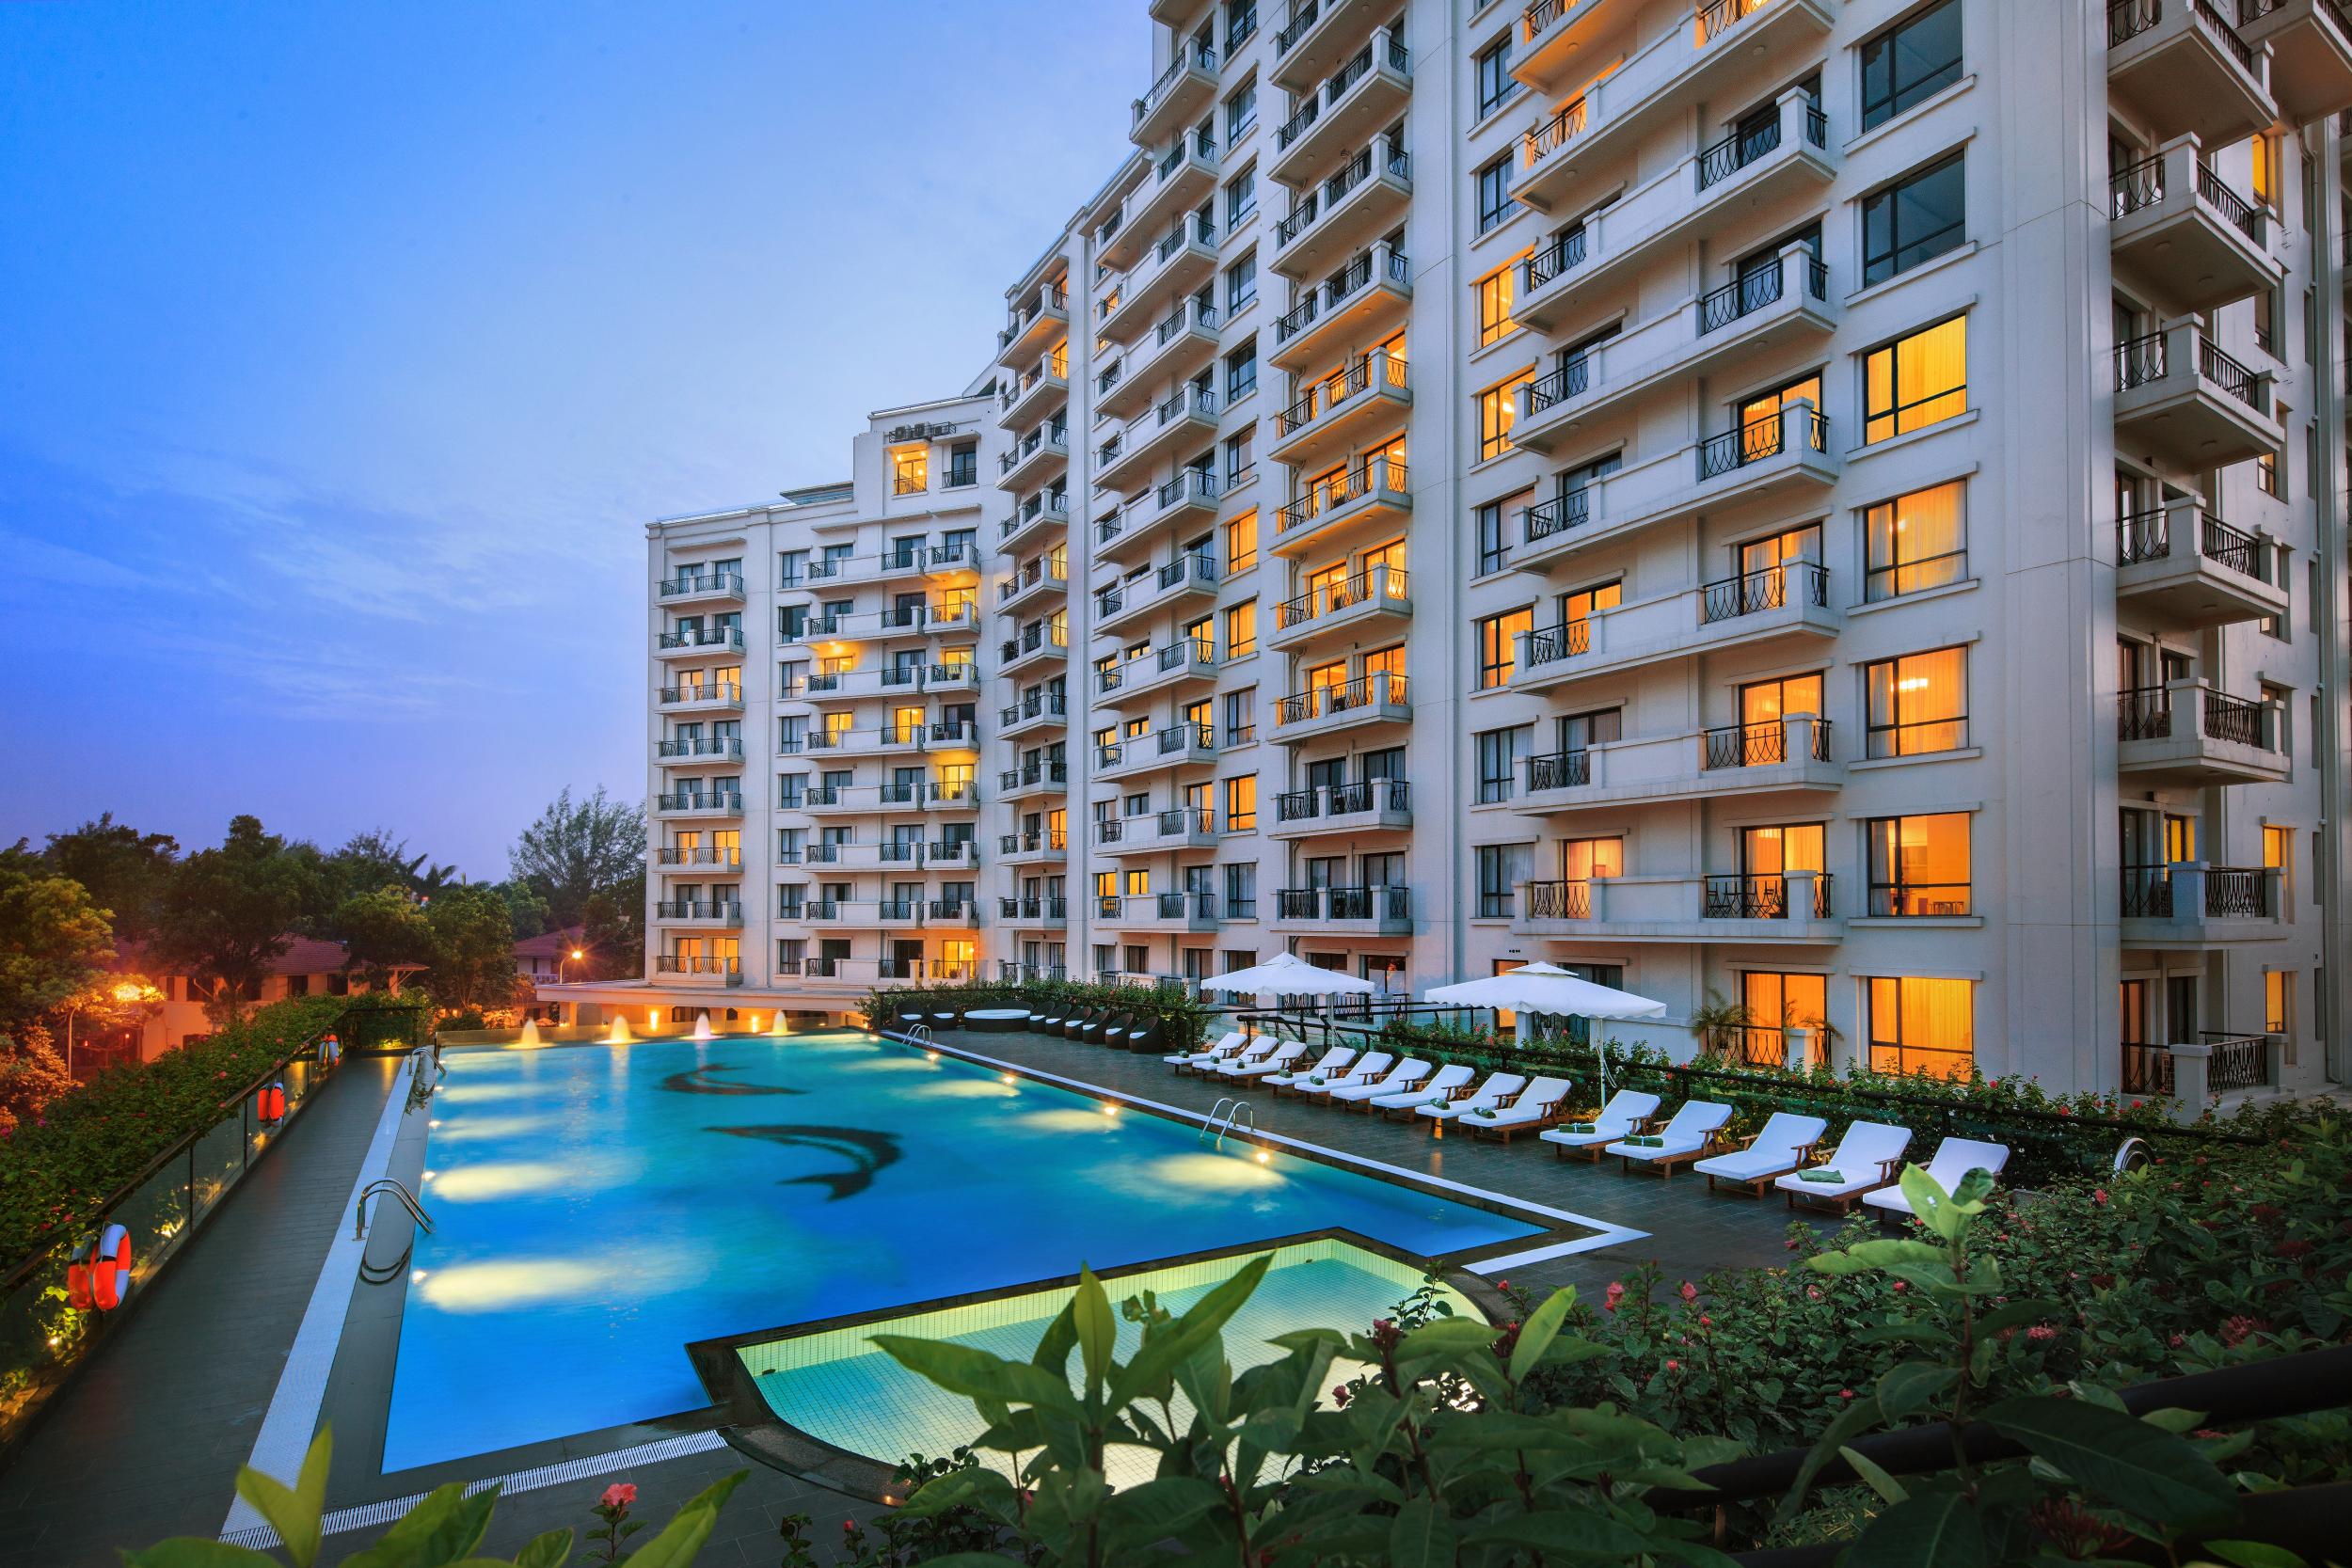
[1931, 374]
[1922, 528]
[1938, 1026]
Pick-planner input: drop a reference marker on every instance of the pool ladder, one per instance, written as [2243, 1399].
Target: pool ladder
[408, 1200]
[1226, 1116]
[919, 1034]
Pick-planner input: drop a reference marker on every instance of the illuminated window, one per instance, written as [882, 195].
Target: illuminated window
[2278, 986]
[1241, 630]
[1581, 860]
[1241, 542]
[1923, 1026]
[1920, 864]
[1918, 703]
[1241, 804]
[1916, 541]
[2278, 848]
[1498, 405]
[1580, 604]
[1494, 303]
[2263, 151]
[1777, 1003]
[1915, 381]
[910, 469]
[1498, 646]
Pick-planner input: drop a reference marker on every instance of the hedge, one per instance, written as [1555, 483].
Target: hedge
[1182, 1019]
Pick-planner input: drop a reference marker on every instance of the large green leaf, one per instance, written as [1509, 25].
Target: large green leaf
[192, 1551]
[1871, 1257]
[1059, 1339]
[1573, 1535]
[1139, 1515]
[1874, 1475]
[1936, 1532]
[547, 1550]
[2121, 1460]
[1169, 1349]
[293, 1510]
[1536, 1333]
[1856, 1419]
[715, 1496]
[1421, 1537]
[444, 1528]
[1098, 1330]
[1909, 1386]
[976, 1375]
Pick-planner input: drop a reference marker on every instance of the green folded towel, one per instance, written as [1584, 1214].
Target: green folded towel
[1648, 1140]
[1583, 1127]
[1317, 1082]
[1826, 1177]
[1442, 1104]
[1487, 1111]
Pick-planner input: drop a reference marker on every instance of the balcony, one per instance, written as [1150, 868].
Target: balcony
[1789, 754]
[1184, 258]
[1179, 744]
[1032, 779]
[698, 859]
[1371, 604]
[2185, 566]
[1035, 392]
[849, 855]
[1366, 806]
[1777, 907]
[1362, 299]
[2180, 401]
[1040, 318]
[671, 911]
[1036, 517]
[690, 802]
[2180, 66]
[1711, 58]
[2190, 905]
[1037, 644]
[1548, 52]
[2184, 734]
[1037, 847]
[1034, 914]
[1036, 457]
[897, 680]
[700, 587]
[1185, 661]
[1036, 710]
[938, 912]
[909, 560]
[882, 741]
[867, 800]
[1317, 34]
[1368, 91]
[1189, 579]
[1780, 163]
[699, 752]
[1190, 496]
[1366, 701]
[2310, 53]
[1345, 212]
[946, 619]
[1775, 454]
[1158, 911]
[1179, 426]
[2181, 230]
[677, 969]
[1375, 493]
[1179, 348]
[1183, 177]
[1785, 602]
[1181, 96]
[1758, 313]
[1368, 395]
[699, 696]
[1156, 832]
[1035, 581]
[1345, 911]
[694, 641]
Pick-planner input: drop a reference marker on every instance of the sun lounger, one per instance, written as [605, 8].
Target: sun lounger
[1499, 1090]
[1780, 1146]
[1537, 1107]
[1954, 1159]
[1447, 1082]
[1185, 1061]
[1367, 1070]
[1073, 1027]
[1688, 1136]
[1260, 1066]
[1403, 1076]
[1623, 1117]
[1865, 1159]
[1334, 1064]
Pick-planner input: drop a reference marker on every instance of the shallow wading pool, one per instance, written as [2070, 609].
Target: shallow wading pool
[598, 1208]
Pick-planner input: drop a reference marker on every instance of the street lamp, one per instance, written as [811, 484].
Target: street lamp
[573, 956]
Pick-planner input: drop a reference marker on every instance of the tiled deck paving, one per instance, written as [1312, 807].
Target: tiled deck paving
[148, 1444]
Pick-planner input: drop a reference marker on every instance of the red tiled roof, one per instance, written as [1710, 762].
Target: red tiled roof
[303, 956]
[550, 944]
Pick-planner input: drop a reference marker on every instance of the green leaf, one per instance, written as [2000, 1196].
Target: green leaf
[2253, 1554]
[1173, 1345]
[1059, 1339]
[1871, 1257]
[1157, 1509]
[293, 1510]
[1565, 1534]
[715, 1496]
[1976, 1185]
[1536, 1333]
[1873, 1475]
[680, 1541]
[2017, 1314]
[1933, 1206]
[192, 1551]
[545, 1551]
[1935, 1531]
[1911, 1386]
[1421, 1537]
[1098, 1330]
[1858, 1417]
[1446, 1337]
[976, 1375]
[972, 1559]
[2128, 1463]
[447, 1524]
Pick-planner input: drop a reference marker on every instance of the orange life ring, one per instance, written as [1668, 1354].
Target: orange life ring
[98, 1271]
[271, 1102]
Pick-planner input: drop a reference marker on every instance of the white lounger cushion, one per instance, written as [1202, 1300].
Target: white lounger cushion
[1335, 1062]
[1541, 1098]
[1954, 1159]
[1290, 1052]
[1370, 1071]
[1694, 1121]
[1627, 1109]
[1773, 1150]
[1441, 1088]
[1232, 1039]
[1861, 1159]
[1410, 1070]
[1498, 1087]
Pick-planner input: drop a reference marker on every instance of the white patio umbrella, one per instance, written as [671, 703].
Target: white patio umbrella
[1288, 975]
[1542, 988]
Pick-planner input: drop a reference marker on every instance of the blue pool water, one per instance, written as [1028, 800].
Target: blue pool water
[598, 1208]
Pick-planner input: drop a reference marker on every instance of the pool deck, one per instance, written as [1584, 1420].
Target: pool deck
[147, 1442]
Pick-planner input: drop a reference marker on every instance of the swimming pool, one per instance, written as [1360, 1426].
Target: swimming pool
[598, 1208]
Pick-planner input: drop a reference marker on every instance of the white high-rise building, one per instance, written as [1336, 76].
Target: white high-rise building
[1829, 506]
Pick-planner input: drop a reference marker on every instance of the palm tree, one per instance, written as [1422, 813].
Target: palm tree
[1718, 1024]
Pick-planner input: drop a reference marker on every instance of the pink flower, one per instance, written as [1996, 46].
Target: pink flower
[1615, 1295]
[1674, 1366]
[2040, 1334]
[1689, 1292]
[1902, 1285]
[2099, 1196]
[619, 1495]
[1706, 1321]
[1812, 1292]
[1845, 1393]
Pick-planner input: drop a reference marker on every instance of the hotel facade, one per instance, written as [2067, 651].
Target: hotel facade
[1830, 506]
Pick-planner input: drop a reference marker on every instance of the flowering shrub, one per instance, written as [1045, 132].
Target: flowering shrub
[1183, 1020]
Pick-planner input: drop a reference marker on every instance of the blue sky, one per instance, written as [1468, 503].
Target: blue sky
[346, 349]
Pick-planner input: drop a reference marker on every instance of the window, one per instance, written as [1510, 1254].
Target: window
[1494, 205]
[1501, 867]
[1498, 753]
[1241, 198]
[1494, 75]
[1916, 218]
[1914, 540]
[1241, 717]
[2277, 985]
[1241, 112]
[1777, 1003]
[1913, 382]
[1920, 864]
[2282, 568]
[910, 469]
[1498, 405]
[1494, 304]
[1241, 542]
[964, 465]
[1498, 646]
[1918, 703]
[1241, 804]
[1241, 371]
[1241, 902]
[1241, 283]
[1493, 548]
[1241, 628]
[1923, 1026]
[1240, 460]
[1581, 860]
[1909, 63]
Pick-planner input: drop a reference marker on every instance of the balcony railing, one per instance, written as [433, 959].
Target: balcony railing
[1751, 292]
[1035, 704]
[1036, 841]
[1030, 773]
[1758, 439]
[1739, 149]
[1336, 86]
[1352, 279]
[690, 801]
[2145, 713]
[728, 749]
[705, 693]
[1770, 588]
[730, 638]
[2128, 19]
[1759, 745]
[1562, 900]
[1381, 901]
[1378, 368]
[673, 964]
[1343, 800]
[1563, 254]
[1197, 56]
[2230, 893]
[1560, 770]
[2142, 361]
[1374, 473]
[1750, 895]
[1340, 697]
[2148, 536]
[1373, 583]
[703, 583]
[691, 909]
[1033, 909]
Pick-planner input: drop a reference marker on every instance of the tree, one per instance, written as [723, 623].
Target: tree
[226, 911]
[54, 942]
[525, 908]
[124, 870]
[31, 1076]
[577, 848]
[472, 951]
[613, 931]
[386, 935]
[375, 858]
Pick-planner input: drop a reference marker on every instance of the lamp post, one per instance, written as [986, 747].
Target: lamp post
[574, 955]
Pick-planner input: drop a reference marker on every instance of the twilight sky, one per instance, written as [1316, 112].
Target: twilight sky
[346, 349]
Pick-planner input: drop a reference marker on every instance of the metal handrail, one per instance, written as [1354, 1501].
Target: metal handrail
[416, 1213]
